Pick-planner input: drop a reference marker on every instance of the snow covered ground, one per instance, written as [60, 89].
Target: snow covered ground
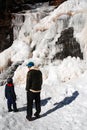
[64, 89]
[64, 107]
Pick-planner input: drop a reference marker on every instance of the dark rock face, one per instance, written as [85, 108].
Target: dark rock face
[17, 5]
[56, 2]
[5, 38]
[68, 44]
[6, 31]
[6, 8]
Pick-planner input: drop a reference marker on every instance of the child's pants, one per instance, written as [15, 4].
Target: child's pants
[11, 102]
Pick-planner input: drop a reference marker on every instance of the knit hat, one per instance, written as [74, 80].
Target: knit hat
[9, 80]
[30, 64]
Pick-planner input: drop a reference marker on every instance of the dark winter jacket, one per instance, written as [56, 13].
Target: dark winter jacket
[34, 80]
[9, 91]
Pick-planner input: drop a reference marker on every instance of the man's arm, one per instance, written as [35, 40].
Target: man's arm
[28, 81]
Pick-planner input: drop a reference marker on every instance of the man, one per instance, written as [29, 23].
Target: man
[33, 88]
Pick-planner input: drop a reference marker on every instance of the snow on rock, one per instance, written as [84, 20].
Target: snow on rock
[48, 30]
[20, 75]
[5, 59]
[20, 51]
[41, 30]
[71, 68]
[82, 38]
[68, 69]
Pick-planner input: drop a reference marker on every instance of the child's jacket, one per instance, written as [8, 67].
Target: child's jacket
[9, 91]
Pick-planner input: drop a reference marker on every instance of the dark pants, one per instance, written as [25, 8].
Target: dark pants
[11, 102]
[30, 98]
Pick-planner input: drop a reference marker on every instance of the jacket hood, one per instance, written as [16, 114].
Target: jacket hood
[34, 68]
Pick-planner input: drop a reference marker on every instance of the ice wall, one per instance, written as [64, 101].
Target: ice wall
[41, 29]
[43, 35]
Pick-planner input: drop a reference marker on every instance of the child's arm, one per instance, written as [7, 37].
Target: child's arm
[13, 93]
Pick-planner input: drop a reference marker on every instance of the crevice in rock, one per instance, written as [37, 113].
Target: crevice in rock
[68, 45]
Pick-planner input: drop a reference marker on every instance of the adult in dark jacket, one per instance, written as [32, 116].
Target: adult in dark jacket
[33, 88]
[10, 95]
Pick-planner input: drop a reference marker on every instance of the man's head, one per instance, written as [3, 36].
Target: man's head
[30, 64]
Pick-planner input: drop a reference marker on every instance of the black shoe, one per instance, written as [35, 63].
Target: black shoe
[29, 118]
[37, 115]
[10, 110]
[16, 110]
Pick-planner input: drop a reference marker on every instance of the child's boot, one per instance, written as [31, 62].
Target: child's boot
[15, 107]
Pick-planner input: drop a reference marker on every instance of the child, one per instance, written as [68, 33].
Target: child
[10, 95]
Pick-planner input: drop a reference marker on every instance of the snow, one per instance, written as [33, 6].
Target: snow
[64, 89]
[5, 59]
[20, 51]
[63, 106]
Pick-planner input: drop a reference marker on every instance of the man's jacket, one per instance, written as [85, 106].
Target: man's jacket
[34, 80]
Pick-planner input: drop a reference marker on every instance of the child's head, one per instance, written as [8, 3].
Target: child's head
[9, 80]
